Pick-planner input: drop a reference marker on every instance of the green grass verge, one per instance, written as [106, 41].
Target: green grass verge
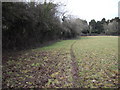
[63, 44]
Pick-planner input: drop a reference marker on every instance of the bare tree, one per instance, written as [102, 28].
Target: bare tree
[111, 28]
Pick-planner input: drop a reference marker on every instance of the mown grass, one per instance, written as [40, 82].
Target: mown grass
[97, 58]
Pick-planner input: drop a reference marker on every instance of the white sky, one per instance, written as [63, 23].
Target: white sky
[91, 9]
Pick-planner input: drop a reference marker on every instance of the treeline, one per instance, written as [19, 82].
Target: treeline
[105, 27]
[28, 24]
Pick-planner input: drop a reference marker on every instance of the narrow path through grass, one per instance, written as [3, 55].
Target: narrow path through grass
[74, 69]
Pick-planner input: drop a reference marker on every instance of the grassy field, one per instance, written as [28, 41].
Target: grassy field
[93, 60]
[97, 60]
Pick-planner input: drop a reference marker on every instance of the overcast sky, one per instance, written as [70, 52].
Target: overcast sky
[91, 9]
